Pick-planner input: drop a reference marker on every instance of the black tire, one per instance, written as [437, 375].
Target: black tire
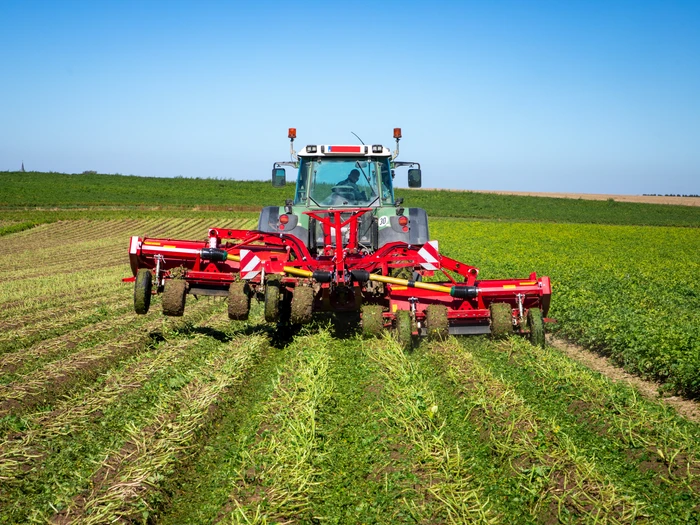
[272, 301]
[436, 322]
[174, 295]
[142, 291]
[535, 323]
[239, 301]
[372, 320]
[501, 320]
[404, 329]
[302, 305]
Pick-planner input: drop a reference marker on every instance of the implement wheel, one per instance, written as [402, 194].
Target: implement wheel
[239, 301]
[302, 305]
[142, 291]
[536, 325]
[372, 320]
[501, 320]
[272, 301]
[174, 295]
[403, 329]
[436, 322]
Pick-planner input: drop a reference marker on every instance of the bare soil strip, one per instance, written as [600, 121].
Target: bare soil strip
[688, 408]
[645, 199]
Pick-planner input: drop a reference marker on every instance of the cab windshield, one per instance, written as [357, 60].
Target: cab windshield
[332, 181]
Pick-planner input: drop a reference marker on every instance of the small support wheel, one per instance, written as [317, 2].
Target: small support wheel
[403, 329]
[536, 324]
[272, 301]
[239, 301]
[174, 295]
[436, 322]
[142, 291]
[372, 320]
[501, 320]
[302, 305]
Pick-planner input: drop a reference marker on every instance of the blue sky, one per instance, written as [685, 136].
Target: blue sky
[584, 96]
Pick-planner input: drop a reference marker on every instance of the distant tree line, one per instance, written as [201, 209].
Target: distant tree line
[670, 195]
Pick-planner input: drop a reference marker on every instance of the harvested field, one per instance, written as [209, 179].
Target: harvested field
[110, 417]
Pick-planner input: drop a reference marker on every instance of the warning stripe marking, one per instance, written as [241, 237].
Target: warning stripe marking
[429, 253]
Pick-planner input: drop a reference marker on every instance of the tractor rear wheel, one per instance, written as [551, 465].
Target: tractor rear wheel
[501, 320]
[302, 305]
[142, 291]
[174, 295]
[403, 329]
[239, 301]
[536, 325]
[272, 301]
[372, 320]
[436, 322]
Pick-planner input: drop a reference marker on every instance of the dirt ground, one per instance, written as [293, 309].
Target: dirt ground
[685, 407]
[681, 201]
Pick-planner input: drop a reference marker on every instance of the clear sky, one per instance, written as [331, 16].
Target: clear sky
[586, 96]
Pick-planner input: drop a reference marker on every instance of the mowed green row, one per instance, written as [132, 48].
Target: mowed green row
[352, 431]
[631, 292]
[107, 416]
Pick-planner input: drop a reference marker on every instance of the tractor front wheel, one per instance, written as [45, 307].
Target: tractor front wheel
[536, 325]
[372, 320]
[174, 295]
[501, 320]
[302, 305]
[436, 322]
[404, 329]
[238, 301]
[142, 291]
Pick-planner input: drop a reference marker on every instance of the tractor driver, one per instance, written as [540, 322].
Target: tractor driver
[351, 182]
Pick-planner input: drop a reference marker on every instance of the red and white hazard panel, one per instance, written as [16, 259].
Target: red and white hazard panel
[429, 253]
[250, 264]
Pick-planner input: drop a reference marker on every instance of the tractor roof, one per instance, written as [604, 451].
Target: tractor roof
[375, 150]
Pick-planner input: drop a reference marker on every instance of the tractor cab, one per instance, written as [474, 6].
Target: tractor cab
[339, 181]
[356, 178]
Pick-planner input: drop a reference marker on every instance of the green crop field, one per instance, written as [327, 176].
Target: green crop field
[110, 417]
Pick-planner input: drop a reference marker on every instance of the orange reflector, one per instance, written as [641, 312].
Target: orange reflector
[149, 243]
[169, 246]
[509, 286]
[528, 283]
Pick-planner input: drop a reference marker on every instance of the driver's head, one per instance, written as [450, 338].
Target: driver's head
[354, 175]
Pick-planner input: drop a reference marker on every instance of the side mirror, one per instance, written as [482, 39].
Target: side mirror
[279, 177]
[414, 178]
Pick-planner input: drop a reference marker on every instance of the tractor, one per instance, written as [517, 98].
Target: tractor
[343, 245]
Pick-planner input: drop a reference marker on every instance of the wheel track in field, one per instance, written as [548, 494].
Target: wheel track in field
[58, 378]
[99, 421]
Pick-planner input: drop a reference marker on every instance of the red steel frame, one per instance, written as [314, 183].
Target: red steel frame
[278, 250]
